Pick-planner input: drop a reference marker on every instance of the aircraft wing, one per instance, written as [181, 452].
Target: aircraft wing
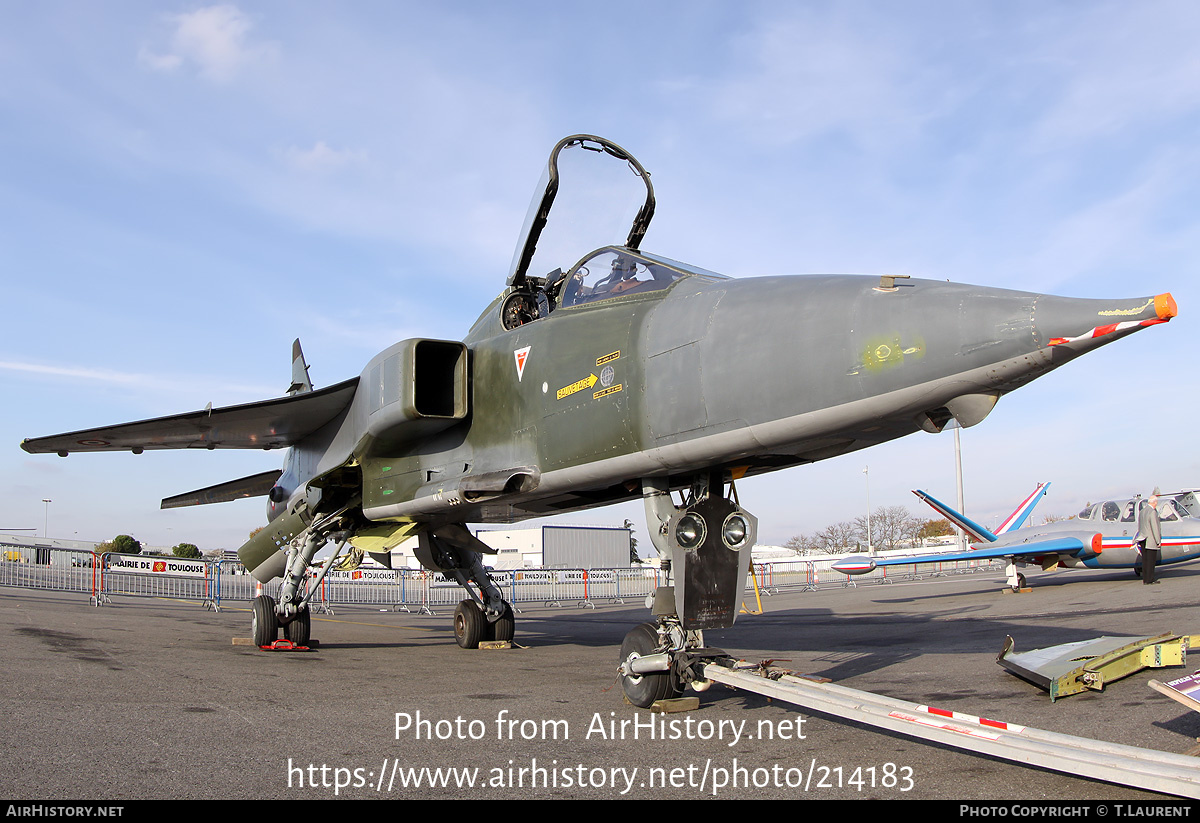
[255, 485]
[1069, 545]
[262, 425]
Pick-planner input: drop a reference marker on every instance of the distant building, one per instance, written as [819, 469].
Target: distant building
[550, 547]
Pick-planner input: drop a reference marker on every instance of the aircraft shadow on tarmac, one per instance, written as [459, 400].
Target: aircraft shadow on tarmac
[569, 627]
[848, 643]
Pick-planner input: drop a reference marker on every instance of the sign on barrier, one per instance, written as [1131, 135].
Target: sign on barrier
[212, 581]
[157, 565]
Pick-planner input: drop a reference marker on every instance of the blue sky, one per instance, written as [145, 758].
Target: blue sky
[185, 188]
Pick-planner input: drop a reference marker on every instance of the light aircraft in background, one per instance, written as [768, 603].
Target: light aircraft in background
[1099, 537]
[601, 378]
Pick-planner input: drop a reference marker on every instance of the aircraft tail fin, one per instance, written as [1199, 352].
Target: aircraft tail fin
[1017, 519]
[973, 530]
[300, 381]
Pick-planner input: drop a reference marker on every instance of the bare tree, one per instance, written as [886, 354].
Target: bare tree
[838, 537]
[805, 544]
[891, 527]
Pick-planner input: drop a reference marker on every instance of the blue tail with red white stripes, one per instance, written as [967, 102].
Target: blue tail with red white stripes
[978, 533]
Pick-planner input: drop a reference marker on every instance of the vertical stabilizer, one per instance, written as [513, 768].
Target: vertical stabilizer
[976, 532]
[300, 381]
[1017, 519]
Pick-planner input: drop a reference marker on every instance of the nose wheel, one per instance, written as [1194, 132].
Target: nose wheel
[643, 690]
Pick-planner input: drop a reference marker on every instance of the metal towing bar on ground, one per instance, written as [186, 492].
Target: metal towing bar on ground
[1173, 774]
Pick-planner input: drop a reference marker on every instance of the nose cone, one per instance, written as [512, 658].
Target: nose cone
[1081, 325]
[1164, 306]
[764, 349]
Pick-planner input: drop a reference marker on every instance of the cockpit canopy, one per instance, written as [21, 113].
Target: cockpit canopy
[600, 195]
[1113, 512]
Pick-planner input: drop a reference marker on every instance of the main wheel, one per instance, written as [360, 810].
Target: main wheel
[299, 629]
[643, 690]
[469, 624]
[264, 623]
[503, 628]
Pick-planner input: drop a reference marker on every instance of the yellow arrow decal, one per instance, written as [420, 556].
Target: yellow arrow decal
[578, 385]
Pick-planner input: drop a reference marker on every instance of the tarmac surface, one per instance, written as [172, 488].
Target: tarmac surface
[150, 698]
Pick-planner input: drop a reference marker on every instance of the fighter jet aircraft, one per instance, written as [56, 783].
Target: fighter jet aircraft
[1099, 537]
[600, 378]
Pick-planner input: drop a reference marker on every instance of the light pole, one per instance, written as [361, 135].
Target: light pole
[867, 472]
[46, 523]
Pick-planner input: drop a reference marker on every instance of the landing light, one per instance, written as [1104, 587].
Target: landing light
[735, 531]
[690, 531]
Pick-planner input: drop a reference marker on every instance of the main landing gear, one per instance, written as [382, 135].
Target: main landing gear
[291, 612]
[1015, 579]
[266, 623]
[449, 549]
[458, 554]
[471, 625]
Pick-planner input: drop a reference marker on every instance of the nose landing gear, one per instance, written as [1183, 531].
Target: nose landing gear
[708, 541]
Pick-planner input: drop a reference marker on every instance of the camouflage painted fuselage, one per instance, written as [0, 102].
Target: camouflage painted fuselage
[570, 411]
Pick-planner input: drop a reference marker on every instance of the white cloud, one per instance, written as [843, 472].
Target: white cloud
[321, 157]
[159, 62]
[1122, 68]
[808, 72]
[122, 378]
[188, 385]
[214, 39]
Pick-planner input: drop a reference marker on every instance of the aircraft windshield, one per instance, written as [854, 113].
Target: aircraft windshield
[613, 273]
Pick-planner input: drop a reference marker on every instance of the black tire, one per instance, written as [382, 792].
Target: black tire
[1020, 581]
[469, 624]
[645, 689]
[264, 622]
[299, 630]
[502, 629]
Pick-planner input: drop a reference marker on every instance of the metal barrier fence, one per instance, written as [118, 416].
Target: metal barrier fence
[212, 582]
[811, 575]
